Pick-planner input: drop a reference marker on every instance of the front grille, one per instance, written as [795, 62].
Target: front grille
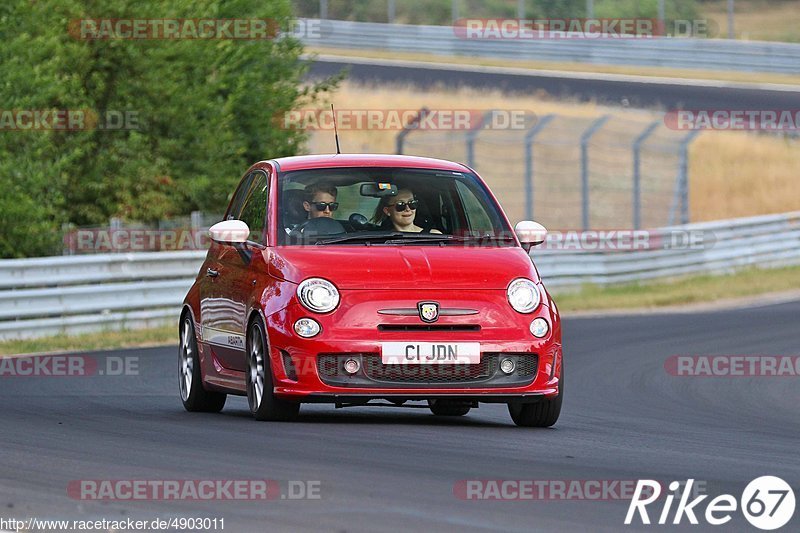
[374, 373]
[288, 366]
[428, 327]
[526, 365]
[375, 369]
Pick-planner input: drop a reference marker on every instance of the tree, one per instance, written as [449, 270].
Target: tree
[197, 113]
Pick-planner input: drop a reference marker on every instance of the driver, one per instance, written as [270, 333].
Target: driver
[319, 200]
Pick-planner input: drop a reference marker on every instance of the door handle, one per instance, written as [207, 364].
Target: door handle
[211, 273]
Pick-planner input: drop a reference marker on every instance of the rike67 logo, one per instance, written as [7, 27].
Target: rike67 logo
[767, 503]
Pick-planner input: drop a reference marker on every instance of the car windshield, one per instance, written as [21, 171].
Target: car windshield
[389, 206]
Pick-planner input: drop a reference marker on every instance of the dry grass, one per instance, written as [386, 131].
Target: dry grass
[732, 174]
[736, 174]
[680, 291]
[747, 77]
[764, 20]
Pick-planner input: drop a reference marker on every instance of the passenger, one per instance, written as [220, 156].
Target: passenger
[319, 200]
[401, 210]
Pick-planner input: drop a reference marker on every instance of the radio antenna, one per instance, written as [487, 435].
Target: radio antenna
[335, 131]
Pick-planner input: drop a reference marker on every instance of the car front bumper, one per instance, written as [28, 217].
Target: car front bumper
[310, 370]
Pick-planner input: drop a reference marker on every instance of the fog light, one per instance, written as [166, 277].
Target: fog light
[539, 327]
[507, 366]
[351, 366]
[307, 327]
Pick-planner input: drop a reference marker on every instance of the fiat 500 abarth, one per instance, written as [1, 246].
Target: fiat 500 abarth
[355, 279]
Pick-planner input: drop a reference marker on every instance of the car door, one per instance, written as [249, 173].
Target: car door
[242, 268]
[220, 314]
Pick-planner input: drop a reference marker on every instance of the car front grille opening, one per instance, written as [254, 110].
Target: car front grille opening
[429, 327]
[331, 368]
[288, 366]
[375, 369]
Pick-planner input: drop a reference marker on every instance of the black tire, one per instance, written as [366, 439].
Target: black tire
[541, 414]
[194, 396]
[448, 408]
[263, 403]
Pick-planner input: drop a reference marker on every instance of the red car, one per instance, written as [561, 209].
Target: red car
[350, 279]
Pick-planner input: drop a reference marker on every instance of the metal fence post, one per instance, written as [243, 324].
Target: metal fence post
[529, 136]
[114, 225]
[391, 11]
[408, 128]
[585, 136]
[637, 173]
[684, 174]
[68, 248]
[472, 134]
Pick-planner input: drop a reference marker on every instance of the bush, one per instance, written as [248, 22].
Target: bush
[204, 110]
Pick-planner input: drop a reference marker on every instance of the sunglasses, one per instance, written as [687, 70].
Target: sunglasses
[322, 206]
[402, 206]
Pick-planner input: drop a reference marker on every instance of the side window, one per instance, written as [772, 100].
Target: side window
[476, 215]
[254, 210]
[238, 198]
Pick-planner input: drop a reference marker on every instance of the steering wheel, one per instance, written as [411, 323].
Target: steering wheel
[314, 227]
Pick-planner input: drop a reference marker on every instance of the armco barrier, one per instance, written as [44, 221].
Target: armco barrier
[75, 294]
[677, 52]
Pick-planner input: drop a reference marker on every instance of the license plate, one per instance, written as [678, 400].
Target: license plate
[430, 353]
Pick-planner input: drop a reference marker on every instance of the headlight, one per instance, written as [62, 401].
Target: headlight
[318, 295]
[523, 295]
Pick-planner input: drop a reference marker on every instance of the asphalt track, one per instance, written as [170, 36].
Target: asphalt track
[394, 469]
[627, 91]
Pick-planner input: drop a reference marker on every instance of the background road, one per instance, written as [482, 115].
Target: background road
[391, 469]
[614, 90]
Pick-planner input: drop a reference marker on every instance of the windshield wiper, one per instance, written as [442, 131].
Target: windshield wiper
[409, 237]
[400, 237]
[369, 237]
[486, 238]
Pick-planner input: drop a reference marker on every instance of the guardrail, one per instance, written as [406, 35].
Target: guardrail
[68, 295]
[76, 294]
[766, 242]
[675, 52]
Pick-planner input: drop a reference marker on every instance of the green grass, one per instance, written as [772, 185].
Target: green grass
[106, 340]
[677, 291]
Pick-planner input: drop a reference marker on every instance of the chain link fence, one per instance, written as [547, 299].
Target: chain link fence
[574, 172]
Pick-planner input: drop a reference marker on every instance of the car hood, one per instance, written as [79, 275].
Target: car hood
[393, 267]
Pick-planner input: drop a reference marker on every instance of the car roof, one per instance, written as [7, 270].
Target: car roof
[304, 162]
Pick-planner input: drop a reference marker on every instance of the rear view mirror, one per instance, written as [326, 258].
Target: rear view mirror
[378, 190]
[530, 233]
[229, 232]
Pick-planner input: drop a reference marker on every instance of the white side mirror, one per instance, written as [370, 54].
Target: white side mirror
[229, 232]
[530, 233]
